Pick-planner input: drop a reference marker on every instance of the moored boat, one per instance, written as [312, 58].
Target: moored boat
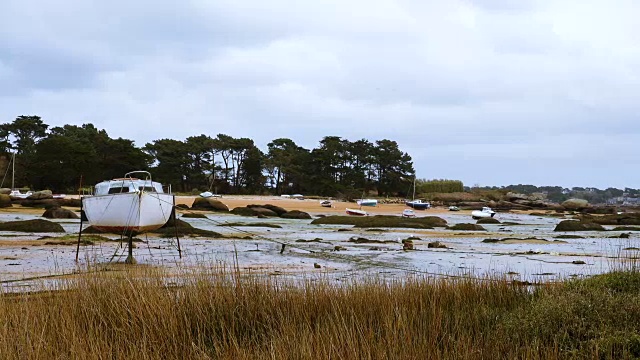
[454, 208]
[326, 203]
[484, 213]
[128, 205]
[408, 213]
[367, 202]
[418, 204]
[356, 212]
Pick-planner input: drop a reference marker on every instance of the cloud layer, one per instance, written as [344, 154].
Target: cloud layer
[491, 92]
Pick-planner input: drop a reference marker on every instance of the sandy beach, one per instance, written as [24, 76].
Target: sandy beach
[313, 206]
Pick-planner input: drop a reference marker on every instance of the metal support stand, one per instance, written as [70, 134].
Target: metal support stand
[130, 259]
[175, 225]
[79, 232]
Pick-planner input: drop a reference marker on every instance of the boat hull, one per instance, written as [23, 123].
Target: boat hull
[355, 212]
[128, 212]
[408, 213]
[367, 202]
[481, 214]
[418, 206]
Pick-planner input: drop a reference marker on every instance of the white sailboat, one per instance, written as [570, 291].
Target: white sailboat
[14, 192]
[128, 205]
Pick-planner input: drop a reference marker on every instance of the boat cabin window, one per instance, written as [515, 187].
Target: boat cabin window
[118, 190]
[147, 188]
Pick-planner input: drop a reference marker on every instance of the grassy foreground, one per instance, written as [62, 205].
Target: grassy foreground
[213, 314]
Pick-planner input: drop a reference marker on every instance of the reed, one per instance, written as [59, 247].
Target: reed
[213, 313]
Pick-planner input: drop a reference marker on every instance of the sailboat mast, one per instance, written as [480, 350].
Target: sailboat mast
[414, 188]
[13, 171]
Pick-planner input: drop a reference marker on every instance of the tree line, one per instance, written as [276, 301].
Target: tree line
[68, 157]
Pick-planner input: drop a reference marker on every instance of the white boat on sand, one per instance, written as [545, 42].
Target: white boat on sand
[326, 203]
[356, 212]
[128, 205]
[484, 213]
[408, 213]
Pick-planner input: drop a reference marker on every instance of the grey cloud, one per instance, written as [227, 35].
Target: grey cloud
[492, 92]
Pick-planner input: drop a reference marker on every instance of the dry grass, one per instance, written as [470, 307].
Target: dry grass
[214, 314]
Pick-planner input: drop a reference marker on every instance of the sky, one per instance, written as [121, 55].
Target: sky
[490, 92]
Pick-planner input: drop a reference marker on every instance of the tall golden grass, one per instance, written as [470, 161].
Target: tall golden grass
[219, 314]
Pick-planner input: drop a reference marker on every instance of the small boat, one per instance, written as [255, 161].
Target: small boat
[206, 194]
[128, 205]
[326, 203]
[356, 212]
[367, 202]
[19, 195]
[59, 196]
[454, 208]
[408, 213]
[484, 213]
[297, 196]
[418, 204]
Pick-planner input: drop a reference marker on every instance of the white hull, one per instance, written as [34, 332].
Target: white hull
[477, 214]
[408, 213]
[128, 212]
[355, 212]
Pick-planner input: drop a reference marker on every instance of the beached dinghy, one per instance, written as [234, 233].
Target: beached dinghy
[128, 205]
[408, 213]
[326, 203]
[484, 213]
[355, 212]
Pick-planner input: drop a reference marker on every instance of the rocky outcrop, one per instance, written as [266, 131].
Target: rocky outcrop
[276, 209]
[41, 195]
[5, 201]
[31, 226]
[253, 211]
[467, 227]
[57, 212]
[572, 225]
[5, 191]
[488, 220]
[295, 214]
[575, 204]
[209, 204]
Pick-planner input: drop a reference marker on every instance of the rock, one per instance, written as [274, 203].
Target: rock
[69, 202]
[339, 248]
[5, 201]
[488, 220]
[578, 262]
[5, 191]
[295, 214]
[41, 195]
[437, 245]
[33, 226]
[276, 209]
[575, 204]
[59, 213]
[467, 227]
[45, 203]
[210, 204]
[572, 225]
[407, 245]
[316, 265]
[254, 211]
[182, 206]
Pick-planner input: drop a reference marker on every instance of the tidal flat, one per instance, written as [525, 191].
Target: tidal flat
[522, 247]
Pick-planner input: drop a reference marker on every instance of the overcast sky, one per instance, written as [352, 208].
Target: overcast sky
[491, 92]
